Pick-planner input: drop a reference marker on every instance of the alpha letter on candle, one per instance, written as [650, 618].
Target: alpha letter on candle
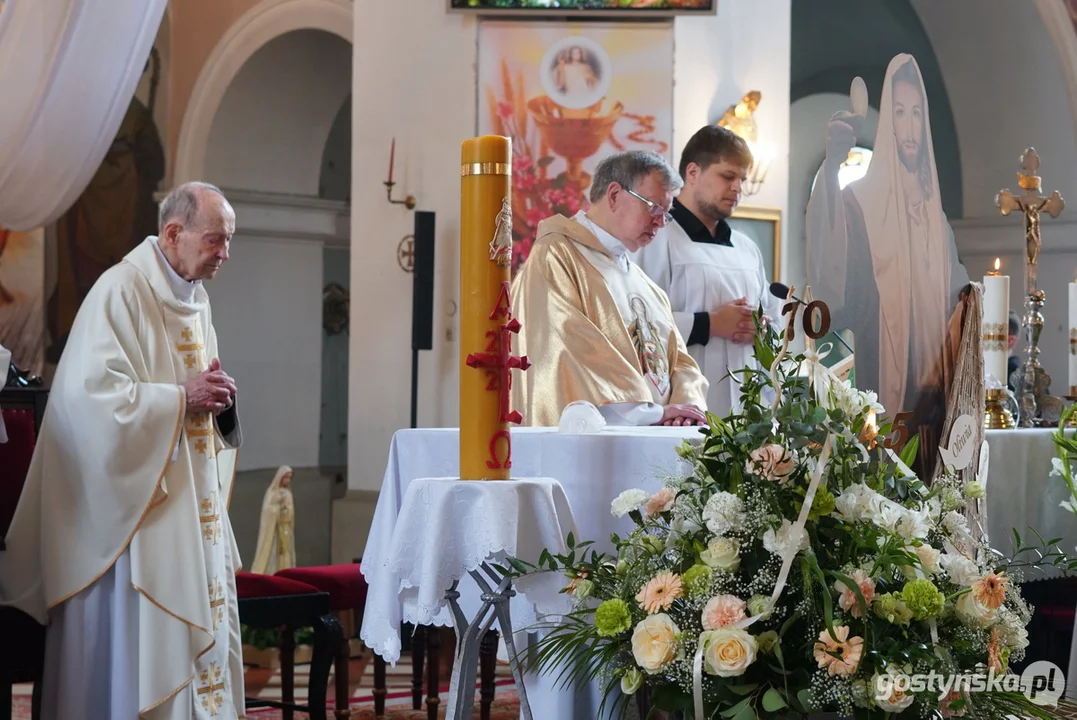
[486, 322]
[996, 324]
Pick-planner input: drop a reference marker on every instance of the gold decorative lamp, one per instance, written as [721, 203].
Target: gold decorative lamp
[739, 120]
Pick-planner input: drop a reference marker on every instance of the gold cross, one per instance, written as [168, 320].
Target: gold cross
[200, 446]
[210, 690]
[189, 361]
[188, 336]
[211, 519]
[216, 603]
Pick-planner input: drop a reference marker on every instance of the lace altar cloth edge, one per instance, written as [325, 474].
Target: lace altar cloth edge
[446, 528]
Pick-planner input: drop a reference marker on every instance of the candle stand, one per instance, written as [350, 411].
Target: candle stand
[996, 415]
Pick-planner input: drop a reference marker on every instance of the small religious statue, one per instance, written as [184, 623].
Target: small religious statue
[1033, 381]
[501, 245]
[276, 532]
[738, 118]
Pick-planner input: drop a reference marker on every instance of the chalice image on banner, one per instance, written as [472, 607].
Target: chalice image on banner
[568, 96]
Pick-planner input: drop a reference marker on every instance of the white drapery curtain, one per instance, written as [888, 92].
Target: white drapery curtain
[68, 71]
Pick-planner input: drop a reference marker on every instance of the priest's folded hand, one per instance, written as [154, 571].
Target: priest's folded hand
[734, 321]
[682, 415]
[212, 391]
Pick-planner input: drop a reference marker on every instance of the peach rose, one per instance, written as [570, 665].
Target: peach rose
[771, 462]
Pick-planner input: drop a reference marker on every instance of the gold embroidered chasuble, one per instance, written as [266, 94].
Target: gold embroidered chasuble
[121, 467]
[593, 331]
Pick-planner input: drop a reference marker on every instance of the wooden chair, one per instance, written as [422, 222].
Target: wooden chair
[277, 603]
[346, 589]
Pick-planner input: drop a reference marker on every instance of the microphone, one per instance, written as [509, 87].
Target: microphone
[781, 290]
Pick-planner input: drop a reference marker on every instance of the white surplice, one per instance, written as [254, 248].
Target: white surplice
[121, 540]
[701, 277]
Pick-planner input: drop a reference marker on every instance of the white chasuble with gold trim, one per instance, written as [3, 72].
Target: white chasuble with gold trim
[122, 468]
[649, 324]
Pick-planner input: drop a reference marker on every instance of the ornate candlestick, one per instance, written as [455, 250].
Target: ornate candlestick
[1033, 380]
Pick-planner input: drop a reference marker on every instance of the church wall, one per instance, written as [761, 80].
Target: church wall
[197, 27]
[414, 78]
[1006, 86]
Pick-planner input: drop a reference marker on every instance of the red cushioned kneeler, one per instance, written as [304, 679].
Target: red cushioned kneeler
[253, 585]
[344, 583]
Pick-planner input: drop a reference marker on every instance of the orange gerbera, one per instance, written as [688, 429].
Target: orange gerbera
[842, 656]
[994, 655]
[660, 592]
[991, 590]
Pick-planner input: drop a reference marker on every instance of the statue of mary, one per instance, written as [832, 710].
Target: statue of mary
[276, 532]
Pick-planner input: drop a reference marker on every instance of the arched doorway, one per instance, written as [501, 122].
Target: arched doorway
[267, 147]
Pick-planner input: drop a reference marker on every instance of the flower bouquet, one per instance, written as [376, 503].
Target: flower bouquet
[796, 567]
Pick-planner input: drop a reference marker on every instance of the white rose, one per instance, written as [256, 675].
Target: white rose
[628, 501]
[654, 643]
[722, 553]
[631, 681]
[971, 612]
[929, 560]
[727, 651]
[892, 690]
[975, 489]
[961, 570]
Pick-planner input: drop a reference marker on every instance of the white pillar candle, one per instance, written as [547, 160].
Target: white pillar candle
[996, 324]
[1073, 336]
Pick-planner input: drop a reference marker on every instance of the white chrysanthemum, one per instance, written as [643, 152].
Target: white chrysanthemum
[955, 524]
[1011, 630]
[628, 501]
[961, 570]
[724, 513]
[787, 541]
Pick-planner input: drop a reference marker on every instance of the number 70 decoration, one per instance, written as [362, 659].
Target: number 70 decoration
[818, 309]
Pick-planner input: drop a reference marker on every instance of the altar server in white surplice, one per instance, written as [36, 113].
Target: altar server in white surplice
[121, 540]
[714, 275]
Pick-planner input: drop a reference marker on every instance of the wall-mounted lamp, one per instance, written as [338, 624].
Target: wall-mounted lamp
[408, 201]
[739, 120]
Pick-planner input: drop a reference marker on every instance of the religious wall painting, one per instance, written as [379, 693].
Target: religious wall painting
[113, 214]
[22, 303]
[569, 95]
[764, 226]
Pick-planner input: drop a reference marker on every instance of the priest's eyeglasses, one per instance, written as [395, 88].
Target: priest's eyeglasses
[657, 211]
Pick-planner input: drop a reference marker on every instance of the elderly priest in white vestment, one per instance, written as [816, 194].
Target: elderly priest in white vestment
[714, 275]
[121, 541]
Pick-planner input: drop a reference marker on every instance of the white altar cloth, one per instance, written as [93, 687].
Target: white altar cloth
[1022, 494]
[446, 528]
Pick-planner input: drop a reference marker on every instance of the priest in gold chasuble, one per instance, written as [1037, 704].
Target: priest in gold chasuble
[594, 325]
[121, 541]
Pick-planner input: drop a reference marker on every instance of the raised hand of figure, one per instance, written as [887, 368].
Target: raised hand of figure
[210, 391]
[682, 415]
[840, 137]
[734, 321]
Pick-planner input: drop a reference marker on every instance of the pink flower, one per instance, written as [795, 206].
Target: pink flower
[723, 610]
[848, 600]
[771, 462]
[660, 592]
[660, 502]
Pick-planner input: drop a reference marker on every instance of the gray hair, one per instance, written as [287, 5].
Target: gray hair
[182, 204]
[629, 168]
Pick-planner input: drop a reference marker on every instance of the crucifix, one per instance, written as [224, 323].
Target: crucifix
[1033, 379]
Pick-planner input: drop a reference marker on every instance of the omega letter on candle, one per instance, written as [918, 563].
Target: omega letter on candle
[486, 322]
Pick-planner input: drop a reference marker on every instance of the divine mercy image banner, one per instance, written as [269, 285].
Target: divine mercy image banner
[569, 95]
